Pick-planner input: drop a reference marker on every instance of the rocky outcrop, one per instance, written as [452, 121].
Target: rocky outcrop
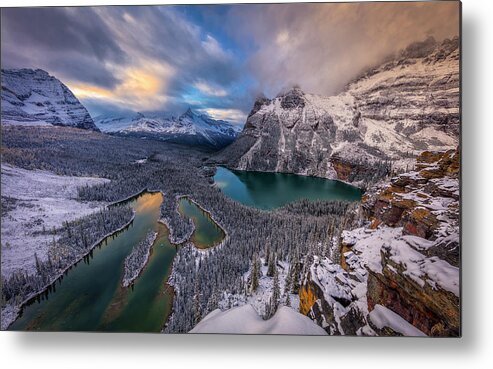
[327, 297]
[432, 310]
[391, 113]
[33, 97]
[403, 263]
[424, 202]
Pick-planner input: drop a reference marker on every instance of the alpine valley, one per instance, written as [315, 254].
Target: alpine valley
[321, 215]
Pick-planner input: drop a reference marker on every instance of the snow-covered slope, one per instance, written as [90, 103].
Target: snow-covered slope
[393, 112]
[33, 97]
[245, 320]
[189, 128]
[34, 201]
[113, 123]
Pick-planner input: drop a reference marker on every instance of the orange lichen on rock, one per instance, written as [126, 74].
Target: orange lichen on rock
[307, 299]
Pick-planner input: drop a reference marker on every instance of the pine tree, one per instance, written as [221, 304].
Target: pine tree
[197, 315]
[272, 266]
[288, 300]
[38, 264]
[295, 285]
[267, 255]
[288, 280]
[276, 290]
[254, 274]
[212, 304]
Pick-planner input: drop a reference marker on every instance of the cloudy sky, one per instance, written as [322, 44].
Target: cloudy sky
[214, 58]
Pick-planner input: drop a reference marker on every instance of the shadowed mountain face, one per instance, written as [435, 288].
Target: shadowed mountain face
[391, 113]
[33, 97]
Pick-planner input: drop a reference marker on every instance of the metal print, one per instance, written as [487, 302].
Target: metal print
[242, 169]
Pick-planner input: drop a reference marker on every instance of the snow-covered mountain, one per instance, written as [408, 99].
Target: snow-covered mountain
[189, 128]
[393, 112]
[33, 97]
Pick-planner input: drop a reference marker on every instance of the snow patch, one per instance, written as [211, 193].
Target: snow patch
[42, 201]
[245, 320]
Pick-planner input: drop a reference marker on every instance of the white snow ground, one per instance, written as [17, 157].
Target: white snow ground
[43, 200]
[383, 317]
[245, 320]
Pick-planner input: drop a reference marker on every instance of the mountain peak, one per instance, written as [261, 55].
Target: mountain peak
[34, 97]
[27, 71]
[189, 113]
[291, 90]
[420, 49]
[260, 101]
[292, 98]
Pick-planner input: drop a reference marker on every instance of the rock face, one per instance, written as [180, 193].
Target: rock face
[33, 97]
[399, 274]
[414, 94]
[393, 112]
[328, 296]
[189, 128]
[426, 205]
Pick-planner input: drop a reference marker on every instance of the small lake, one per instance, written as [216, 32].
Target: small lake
[207, 233]
[90, 296]
[268, 191]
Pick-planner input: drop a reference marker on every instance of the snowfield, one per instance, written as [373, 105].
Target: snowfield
[35, 201]
[245, 320]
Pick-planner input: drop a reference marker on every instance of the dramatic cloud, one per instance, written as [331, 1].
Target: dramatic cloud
[69, 41]
[322, 46]
[233, 115]
[209, 90]
[212, 58]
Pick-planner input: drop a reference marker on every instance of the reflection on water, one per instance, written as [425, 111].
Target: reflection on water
[90, 296]
[272, 190]
[207, 233]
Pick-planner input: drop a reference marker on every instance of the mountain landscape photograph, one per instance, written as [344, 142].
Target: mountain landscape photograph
[285, 169]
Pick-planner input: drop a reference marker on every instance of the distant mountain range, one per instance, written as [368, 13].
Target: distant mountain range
[391, 113]
[408, 104]
[33, 97]
[189, 128]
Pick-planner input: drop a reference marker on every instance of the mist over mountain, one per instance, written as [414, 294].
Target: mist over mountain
[391, 113]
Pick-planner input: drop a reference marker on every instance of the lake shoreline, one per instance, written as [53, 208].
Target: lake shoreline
[268, 191]
[17, 309]
[353, 184]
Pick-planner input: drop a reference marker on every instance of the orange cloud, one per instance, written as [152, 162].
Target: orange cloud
[142, 86]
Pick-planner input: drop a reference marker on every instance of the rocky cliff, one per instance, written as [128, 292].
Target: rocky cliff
[33, 97]
[399, 274]
[391, 113]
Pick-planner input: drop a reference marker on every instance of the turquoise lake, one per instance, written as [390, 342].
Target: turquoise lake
[268, 191]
